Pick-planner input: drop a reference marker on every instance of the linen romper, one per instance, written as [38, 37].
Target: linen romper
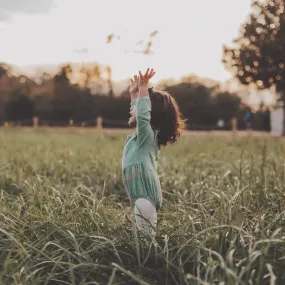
[140, 156]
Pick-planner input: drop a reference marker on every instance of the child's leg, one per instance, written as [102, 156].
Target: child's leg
[145, 216]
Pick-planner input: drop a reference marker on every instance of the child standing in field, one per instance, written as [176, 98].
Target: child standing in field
[158, 121]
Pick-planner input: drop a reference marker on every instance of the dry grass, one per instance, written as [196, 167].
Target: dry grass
[65, 219]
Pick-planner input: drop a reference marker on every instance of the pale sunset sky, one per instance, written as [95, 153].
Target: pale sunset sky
[189, 40]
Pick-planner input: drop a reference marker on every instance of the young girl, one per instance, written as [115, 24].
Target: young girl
[158, 122]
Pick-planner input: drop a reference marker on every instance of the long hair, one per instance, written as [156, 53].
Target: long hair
[165, 117]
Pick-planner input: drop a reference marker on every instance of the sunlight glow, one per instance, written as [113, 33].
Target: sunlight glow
[174, 37]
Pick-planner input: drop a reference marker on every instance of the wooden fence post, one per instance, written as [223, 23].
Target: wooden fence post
[35, 122]
[99, 123]
[234, 127]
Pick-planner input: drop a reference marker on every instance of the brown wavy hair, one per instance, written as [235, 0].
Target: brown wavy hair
[165, 117]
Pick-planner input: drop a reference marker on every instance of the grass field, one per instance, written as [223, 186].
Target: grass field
[65, 218]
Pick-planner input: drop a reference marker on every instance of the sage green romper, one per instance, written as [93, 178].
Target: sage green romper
[140, 156]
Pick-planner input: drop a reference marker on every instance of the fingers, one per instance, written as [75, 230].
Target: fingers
[135, 79]
[141, 76]
[146, 74]
[151, 74]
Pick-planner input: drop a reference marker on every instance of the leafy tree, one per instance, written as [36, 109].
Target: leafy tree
[258, 55]
[109, 80]
[62, 81]
[4, 69]
[19, 108]
[227, 105]
[195, 103]
[61, 95]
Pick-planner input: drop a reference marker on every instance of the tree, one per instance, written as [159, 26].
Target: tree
[19, 108]
[4, 69]
[194, 100]
[203, 106]
[61, 80]
[227, 105]
[258, 57]
[109, 80]
[61, 94]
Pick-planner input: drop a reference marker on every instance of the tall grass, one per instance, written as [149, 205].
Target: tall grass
[65, 218]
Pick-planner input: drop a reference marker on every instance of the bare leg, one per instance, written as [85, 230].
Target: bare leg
[145, 216]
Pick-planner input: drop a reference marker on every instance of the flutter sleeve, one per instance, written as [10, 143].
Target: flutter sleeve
[143, 116]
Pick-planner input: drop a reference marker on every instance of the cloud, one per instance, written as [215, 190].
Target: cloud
[7, 8]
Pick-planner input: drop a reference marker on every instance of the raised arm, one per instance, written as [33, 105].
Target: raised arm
[134, 89]
[143, 81]
[143, 108]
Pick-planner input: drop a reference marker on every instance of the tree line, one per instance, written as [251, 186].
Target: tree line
[84, 95]
[256, 59]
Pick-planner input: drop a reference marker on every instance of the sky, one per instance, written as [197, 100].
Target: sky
[190, 35]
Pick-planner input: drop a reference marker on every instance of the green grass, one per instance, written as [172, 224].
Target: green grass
[65, 218]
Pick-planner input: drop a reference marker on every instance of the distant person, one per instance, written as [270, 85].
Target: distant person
[249, 119]
[158, 121]
[266, 120]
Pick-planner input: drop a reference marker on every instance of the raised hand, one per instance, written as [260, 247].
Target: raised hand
[134, 85]
[144, 79]
[134, 89]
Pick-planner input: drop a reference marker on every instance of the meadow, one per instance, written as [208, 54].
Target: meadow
[65, 217]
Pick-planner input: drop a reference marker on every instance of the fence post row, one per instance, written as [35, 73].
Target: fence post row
[35, 122]
[234, 126]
